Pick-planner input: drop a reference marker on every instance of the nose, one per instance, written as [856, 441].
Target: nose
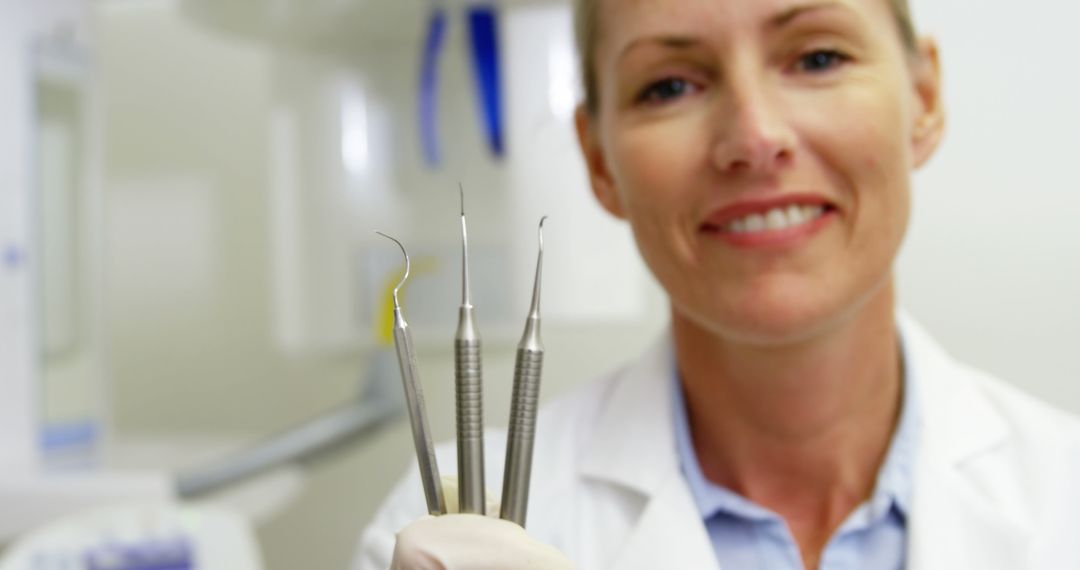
[751, 134]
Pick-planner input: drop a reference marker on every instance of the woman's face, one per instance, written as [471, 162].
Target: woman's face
[761, 151]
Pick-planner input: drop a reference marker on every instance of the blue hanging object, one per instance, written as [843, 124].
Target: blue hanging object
[484, 38]
[429, 95]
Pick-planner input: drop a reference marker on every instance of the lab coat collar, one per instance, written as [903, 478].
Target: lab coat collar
[635, 423]
[952, 524]
[634, 447]
[960, 421]
[956, 520]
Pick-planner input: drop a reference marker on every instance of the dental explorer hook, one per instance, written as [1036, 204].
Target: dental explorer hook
[414, 400]
[404, 277]
[523, 406]
[468, 391]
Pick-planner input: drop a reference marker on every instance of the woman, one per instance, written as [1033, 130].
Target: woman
[762, 152]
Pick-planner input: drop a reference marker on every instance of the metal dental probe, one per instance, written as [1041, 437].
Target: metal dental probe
[523, 404]
[469, 392]
[414, 400]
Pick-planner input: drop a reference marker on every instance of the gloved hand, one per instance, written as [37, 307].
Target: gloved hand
[471, 542]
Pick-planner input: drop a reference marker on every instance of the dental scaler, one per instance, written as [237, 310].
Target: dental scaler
[523, 406]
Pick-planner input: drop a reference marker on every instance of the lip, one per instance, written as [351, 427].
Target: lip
[769, 239]
[742, 208]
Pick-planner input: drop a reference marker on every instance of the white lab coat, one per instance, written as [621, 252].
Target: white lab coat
[997, 481]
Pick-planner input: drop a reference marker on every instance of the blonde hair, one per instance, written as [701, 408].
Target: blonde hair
[587, 27]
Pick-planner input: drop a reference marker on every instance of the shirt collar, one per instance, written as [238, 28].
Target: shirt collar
[893, 489]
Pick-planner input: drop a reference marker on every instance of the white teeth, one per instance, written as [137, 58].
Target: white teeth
[776, 219]
[795, 215]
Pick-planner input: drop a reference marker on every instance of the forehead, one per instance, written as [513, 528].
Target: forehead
[621, 22]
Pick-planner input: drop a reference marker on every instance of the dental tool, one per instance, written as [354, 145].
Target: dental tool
[523, 405]
[469, 391]
[414, 400]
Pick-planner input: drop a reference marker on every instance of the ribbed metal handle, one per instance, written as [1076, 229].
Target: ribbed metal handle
[470, 426]
[414, 396]
[522, 429]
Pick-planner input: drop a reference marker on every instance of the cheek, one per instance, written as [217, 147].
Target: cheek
[653, 169]
[882, 186]
[865, 153]
[650, 163]
[656, 172]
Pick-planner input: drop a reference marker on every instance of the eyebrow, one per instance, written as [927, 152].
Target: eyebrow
[784, 18]
[793, 13]
[672, 42]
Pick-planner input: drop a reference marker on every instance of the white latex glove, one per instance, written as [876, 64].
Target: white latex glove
[471, 542]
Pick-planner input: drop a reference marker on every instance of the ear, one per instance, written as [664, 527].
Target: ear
[930, 116]
[603, 186]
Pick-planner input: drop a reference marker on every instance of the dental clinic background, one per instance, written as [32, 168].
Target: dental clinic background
[188, 190]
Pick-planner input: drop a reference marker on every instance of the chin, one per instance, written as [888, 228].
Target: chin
[774, 324]
[775, 316]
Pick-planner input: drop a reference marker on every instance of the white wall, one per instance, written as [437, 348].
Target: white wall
[992, 262]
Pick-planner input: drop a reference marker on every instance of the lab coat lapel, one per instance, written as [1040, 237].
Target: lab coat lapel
[952, 527]
[640, 455]
[669, 533]
[634, 441]
[956, 522]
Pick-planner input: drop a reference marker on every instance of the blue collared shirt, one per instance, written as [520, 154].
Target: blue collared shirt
[747, 536]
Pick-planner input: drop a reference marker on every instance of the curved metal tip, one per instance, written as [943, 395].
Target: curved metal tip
[534, 308]
[461, 192]
[466, 296]
[397, 305]
[540, 233]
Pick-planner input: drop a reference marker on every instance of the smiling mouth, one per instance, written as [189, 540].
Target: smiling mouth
[781, 223]
[771, 220]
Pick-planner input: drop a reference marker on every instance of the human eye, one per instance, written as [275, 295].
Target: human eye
[664, 90]
[821, 60]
